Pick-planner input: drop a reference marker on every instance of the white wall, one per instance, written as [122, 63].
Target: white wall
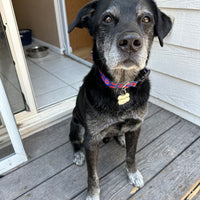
[175, 68]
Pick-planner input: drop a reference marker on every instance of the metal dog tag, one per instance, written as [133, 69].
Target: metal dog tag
[123, 98]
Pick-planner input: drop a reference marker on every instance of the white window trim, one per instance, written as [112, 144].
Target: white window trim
[19, 156]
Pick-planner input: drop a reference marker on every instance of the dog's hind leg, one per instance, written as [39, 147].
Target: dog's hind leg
[77, 138]
[134, 176]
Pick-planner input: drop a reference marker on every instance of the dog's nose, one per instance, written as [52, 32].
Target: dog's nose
[130, 42]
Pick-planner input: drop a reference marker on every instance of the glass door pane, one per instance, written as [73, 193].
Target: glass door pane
[8, 74]
[12, 153]
[6, 148]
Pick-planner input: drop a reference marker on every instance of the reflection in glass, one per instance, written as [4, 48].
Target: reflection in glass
[8, 74]
[6, 147]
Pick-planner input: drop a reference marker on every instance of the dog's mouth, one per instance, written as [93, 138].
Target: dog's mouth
[128, 64]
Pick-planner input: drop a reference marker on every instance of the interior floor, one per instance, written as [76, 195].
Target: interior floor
[54, 77]
[8, 74]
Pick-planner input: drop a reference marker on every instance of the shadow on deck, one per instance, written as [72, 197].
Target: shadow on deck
[168, 156]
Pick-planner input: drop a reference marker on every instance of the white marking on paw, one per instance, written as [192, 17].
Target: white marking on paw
[93, 198]
[136, 179]
[93, 195]
[121, 140]
[79, 158]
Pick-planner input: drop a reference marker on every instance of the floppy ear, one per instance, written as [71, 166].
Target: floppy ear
[84, 17]
[163, 26]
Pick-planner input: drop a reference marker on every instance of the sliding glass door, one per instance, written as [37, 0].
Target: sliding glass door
[11, 101]
[8, 74]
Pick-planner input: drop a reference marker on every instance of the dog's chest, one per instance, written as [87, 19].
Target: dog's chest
[101, 125]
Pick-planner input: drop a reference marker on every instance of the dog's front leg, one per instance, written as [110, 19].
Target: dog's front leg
[134, 176]
[91, 150]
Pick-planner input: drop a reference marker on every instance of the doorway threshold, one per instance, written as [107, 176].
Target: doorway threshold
[29, 123]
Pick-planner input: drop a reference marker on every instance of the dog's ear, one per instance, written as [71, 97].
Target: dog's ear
[84, 17]
[163, 25]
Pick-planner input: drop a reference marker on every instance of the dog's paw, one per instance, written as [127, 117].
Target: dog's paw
[94, 194]
[79, 158]
[136, 179]
[92, 198]
[121, 140]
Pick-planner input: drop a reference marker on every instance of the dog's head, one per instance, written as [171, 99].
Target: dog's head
[123, 30]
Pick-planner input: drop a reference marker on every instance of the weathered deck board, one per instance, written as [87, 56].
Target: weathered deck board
[6, 151]
[52, 137]
[174, 181]
[47, 140]
[107, 161]
[155, 126]
[162, 121]
[50, 174]
[74, 179]
[48, 163]
[193, 193]
[35, 172]
[150, 161]
[152, 109]
[44, 141]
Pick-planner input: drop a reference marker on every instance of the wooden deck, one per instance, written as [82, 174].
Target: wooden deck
[168, 156]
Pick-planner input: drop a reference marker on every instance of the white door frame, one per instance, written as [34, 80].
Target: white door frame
[62, 25]
[8, 17]
[12, 32]
[19, 156]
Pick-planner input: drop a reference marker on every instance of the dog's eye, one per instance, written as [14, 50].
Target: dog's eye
[108, 19]
[146, 19]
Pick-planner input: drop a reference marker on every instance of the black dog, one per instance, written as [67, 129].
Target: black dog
[113, 98]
